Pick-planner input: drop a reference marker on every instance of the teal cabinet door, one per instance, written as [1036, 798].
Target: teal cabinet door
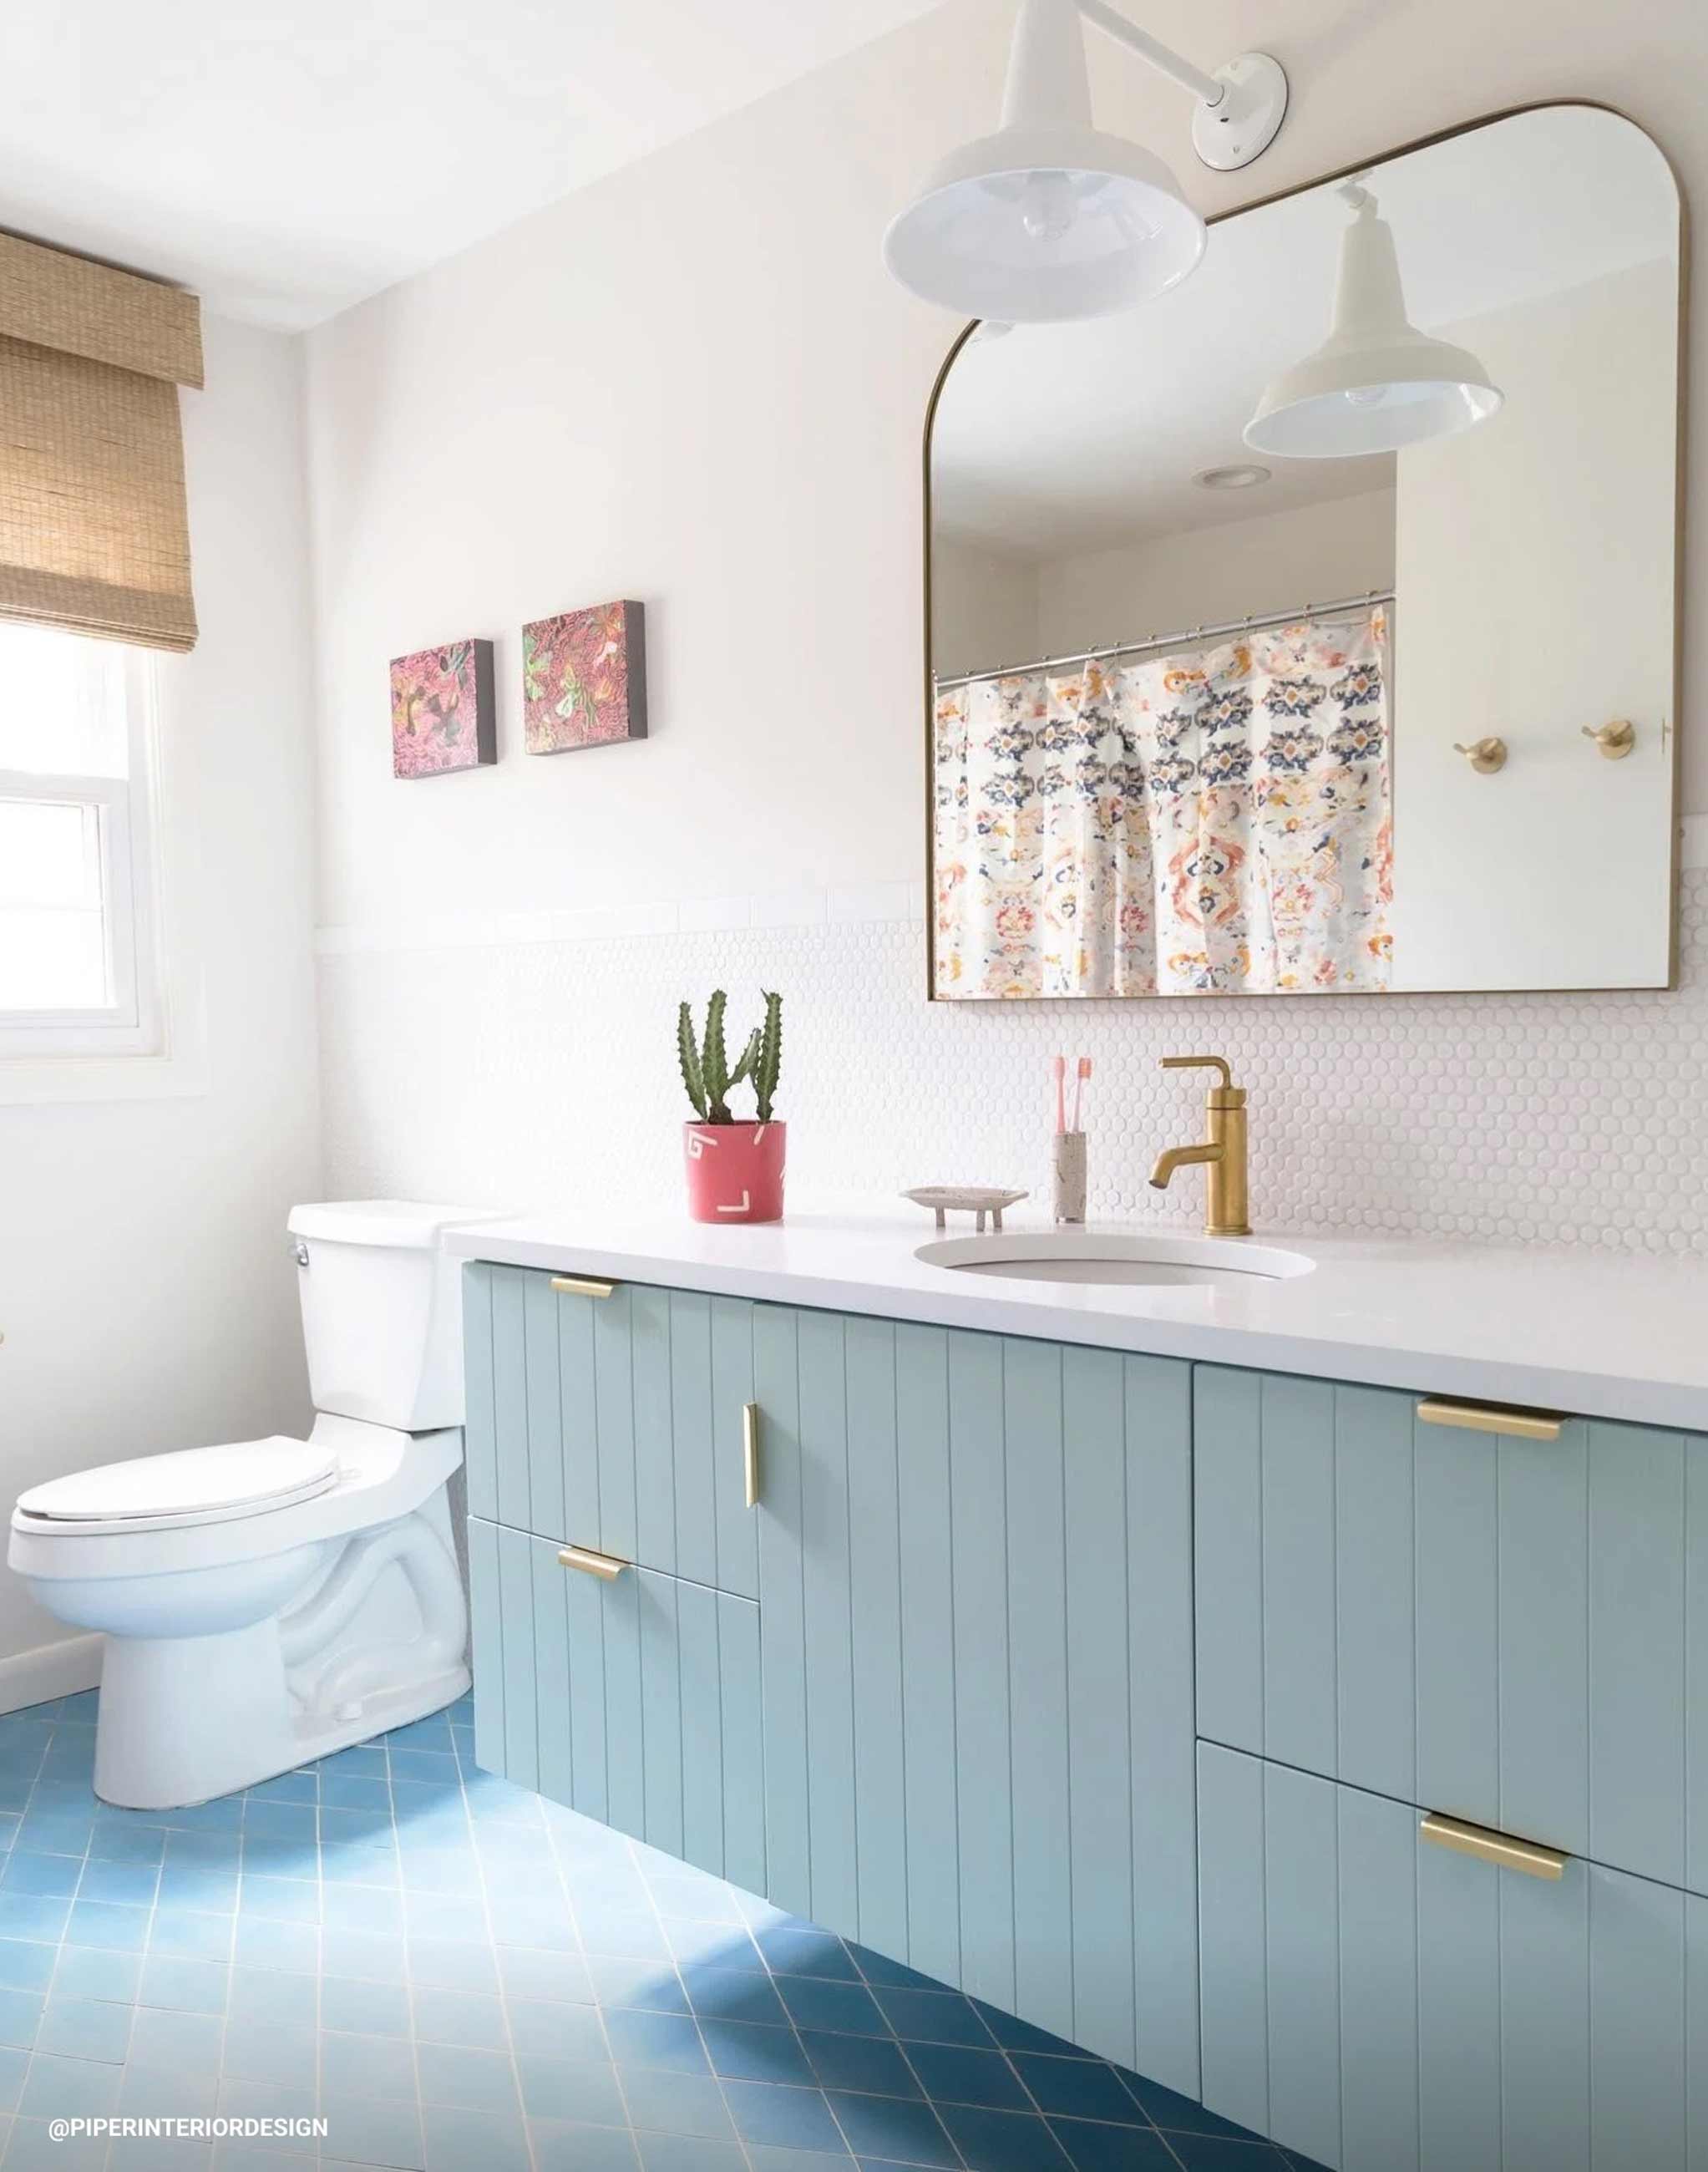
[1383, 2005]
[612, 1421]
[975, 1619]
[933, 1690]
[1500, 1628]
[635, 1701]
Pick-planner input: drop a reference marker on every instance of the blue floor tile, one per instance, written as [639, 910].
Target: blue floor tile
[20, 2017]
[749, 2051]
[899, 2126]
[539, 2029]
[1076, 2088]
[561, 2146]
[875, 2064]
[372, 2131]
[25, 1965]
[1093, 2147]
[579, 2092]
[961, 2073]
[85, 2029]
[849, 2009]
[787, 2118]
[800, 1950]
[933, 2017]
[475, 2142]
[464, 1974]
[191, 1986]
[1222, 2152]
[1003, 2141]
[677, 2103]
[679, 2153]
[655, 2040]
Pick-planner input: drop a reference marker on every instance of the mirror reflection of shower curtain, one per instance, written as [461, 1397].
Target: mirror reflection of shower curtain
[1217, 820]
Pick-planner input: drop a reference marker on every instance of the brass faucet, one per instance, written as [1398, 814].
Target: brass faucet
[1226, 1204]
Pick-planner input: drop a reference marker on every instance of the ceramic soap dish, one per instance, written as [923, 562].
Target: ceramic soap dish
[977, 1198]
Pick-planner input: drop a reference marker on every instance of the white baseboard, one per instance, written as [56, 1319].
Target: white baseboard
[51, 1670]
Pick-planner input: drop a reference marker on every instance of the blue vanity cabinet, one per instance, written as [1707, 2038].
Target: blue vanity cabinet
[975, 1621]
[612, 1421]
[933, 1690]
[1382, 2004]
[1511, 1631]
[635, 1701]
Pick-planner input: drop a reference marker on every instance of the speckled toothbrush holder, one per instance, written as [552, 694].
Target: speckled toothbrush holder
[1069, 1175]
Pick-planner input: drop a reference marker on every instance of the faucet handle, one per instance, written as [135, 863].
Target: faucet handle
[1227, 1096]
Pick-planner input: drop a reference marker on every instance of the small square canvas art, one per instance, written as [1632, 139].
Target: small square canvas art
[443, 717]
[584, 678]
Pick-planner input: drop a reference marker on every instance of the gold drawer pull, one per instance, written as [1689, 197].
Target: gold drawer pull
[582, 1286]
[605, 1565]
[1528, 1856]
[1488, 1417]
[749, 1452]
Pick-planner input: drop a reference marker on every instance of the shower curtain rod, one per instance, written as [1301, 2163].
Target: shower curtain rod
[1191, 634]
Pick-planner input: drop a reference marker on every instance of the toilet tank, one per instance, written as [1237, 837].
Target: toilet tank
[382, 1310]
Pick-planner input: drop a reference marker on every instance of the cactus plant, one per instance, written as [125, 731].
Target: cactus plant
[704, 1060]
[768, 1059]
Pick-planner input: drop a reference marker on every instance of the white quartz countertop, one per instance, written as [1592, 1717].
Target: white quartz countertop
[1596, 1334]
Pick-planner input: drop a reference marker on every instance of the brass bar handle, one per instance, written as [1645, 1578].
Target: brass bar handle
[606, 1567]
[749, 1452]
[1528, 1856]
[1488, 1417]
[582, 1286]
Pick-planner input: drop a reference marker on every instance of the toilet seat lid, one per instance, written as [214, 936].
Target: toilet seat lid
[186, 1486]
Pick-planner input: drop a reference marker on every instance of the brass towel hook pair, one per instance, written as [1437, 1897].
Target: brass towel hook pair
[1487, 755]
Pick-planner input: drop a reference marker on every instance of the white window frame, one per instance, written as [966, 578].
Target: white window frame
[132, 1024]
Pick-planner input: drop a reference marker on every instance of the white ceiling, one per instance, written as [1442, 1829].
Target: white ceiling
[287, 161]
[1061, 438]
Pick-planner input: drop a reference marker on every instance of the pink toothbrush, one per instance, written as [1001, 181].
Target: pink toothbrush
[1081, 1075]
[1060, 1067]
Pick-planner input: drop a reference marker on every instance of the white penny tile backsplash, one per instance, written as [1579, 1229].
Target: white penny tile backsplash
[525, 1060]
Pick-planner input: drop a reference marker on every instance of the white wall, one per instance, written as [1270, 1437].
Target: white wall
[1536, 597]
[984, 608]
[146, 1295]
[1274, 562]
[694, 383]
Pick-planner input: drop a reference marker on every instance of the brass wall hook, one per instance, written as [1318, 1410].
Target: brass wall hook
[1615, 740]
[1485, 756]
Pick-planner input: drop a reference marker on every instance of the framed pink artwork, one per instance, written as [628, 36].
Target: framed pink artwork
[443, 717]
[584, 679]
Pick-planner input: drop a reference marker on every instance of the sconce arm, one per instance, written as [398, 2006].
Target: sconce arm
[1163, 58]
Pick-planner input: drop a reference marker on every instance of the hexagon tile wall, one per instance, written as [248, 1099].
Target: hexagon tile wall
[523, 1069]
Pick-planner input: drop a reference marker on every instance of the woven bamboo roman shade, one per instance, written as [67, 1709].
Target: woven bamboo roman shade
[94, 532]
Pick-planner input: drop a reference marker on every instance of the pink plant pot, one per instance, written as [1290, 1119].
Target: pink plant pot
[735, 1171]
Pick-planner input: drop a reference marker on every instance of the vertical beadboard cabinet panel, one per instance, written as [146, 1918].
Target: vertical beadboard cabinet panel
[614, 1423]
[958, 1722]
[1497, 1627]
[997, 1788]
[635, 1701]
[1383, 2005]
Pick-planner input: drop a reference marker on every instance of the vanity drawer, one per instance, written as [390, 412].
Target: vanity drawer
[1383, 2004]
[613, 1416]
[633, 1698]
[1501, 1627]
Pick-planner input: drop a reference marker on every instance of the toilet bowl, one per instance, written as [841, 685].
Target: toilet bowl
[264, 1603]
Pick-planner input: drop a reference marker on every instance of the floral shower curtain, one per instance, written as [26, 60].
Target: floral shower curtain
[1215, 821]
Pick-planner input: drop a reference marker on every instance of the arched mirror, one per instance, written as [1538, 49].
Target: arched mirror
[1312, 628]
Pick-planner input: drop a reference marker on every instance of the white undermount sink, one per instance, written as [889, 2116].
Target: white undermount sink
[1134, 1259]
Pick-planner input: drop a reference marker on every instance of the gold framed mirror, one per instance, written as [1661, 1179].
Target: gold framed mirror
[1243, 677]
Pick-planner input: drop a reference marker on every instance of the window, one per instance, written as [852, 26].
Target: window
[77, 962]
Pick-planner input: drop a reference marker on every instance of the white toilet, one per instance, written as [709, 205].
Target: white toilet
[266, 1602]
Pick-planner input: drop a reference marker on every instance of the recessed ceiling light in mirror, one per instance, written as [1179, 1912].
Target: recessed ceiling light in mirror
[1242, 474]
